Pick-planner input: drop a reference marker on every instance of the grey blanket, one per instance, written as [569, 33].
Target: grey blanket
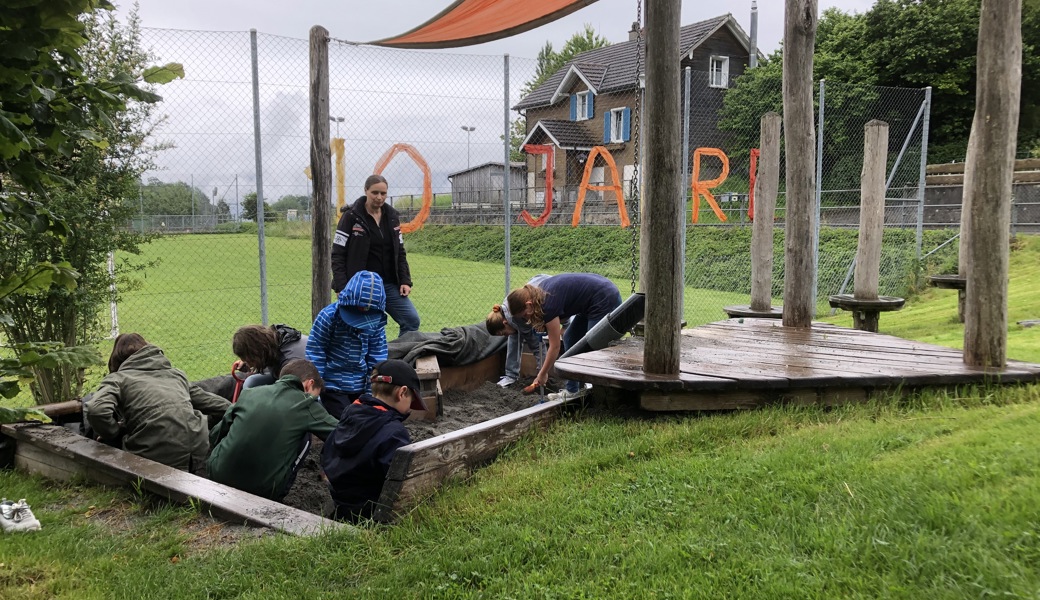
[454, 346]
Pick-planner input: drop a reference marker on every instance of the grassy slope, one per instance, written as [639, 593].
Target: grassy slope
[932, 317]
[937, 496]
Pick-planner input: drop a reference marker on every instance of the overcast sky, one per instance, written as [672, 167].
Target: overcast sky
[366, 21]
[386, 96]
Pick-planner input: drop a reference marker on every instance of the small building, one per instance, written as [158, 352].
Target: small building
[482, 185]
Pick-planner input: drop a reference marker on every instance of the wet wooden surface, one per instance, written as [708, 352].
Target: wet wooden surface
[757, 361]
[58, 453]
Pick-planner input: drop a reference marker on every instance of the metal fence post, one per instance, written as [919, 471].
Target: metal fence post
[921, 181]
[259, 178]
[819, 196]
[685, 185]
[507, 170]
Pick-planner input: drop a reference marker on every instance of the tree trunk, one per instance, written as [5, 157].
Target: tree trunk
[800, 19]
[766, 185]
[664, 215]
[321, 160]
[994, 135]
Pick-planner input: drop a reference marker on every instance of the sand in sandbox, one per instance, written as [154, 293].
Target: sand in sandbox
[461, 409]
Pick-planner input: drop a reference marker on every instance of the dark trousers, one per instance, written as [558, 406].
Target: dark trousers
[337, 401]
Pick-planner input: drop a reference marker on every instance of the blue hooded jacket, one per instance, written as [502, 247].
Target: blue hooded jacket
[349, 336]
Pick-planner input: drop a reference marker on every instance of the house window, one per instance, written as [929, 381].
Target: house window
[543, 161]
[718, 72]
[617, 125]
[583, 106]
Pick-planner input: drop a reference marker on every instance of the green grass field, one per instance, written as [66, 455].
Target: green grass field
[933, 495]
[206, 286]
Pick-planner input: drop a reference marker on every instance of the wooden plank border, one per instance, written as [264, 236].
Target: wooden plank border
[58, 453]
[419, 469]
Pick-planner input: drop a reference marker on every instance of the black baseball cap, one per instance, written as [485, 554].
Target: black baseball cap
[398, 372]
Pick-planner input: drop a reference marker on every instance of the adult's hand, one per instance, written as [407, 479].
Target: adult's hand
[405, 290]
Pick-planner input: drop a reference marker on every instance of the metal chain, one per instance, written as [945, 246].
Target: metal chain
[635, 200]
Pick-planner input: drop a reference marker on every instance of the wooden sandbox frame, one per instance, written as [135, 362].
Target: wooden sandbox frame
[416, 472]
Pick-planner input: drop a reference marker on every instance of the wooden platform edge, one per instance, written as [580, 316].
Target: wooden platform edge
[57, 453]
[421, 468]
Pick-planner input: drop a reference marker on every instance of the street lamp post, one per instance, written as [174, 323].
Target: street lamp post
[337, 121]
[468, 131]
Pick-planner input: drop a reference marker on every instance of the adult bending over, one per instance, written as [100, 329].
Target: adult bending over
[153, 407]
[584, 297]
[368, 238]
[500, 321]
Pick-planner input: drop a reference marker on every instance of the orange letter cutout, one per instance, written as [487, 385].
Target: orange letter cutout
[337, 147]
[549, 164]
[427, 188]
[755, 153]
[585, 187]
[702, 187]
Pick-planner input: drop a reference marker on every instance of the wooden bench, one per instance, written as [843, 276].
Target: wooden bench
[745, 311]
[952, 282]
[866, 312]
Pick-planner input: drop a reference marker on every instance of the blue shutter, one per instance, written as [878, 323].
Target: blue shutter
[606, 127]
[574, 107]
[591, 114]
[626, 125]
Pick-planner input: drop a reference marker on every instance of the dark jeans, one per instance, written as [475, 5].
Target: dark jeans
[336, 401]
[579, 326]
[400, 308]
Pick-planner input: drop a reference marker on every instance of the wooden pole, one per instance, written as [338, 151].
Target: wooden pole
[321, 171]
[664, 216]
[800, 18]
[766, 186]
[994, 136]
[871, 210]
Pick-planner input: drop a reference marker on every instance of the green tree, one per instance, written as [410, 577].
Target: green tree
[249, 209]
[176, 198]
[291, 202]
[63, 105]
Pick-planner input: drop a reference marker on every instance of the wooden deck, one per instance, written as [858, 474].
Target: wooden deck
[747, 363]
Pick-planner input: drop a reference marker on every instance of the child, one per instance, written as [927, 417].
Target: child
[151, 405]
[348, 338]
[260, 444]
[501, 322]
[265, 350]
[584, 297]
[357, 455]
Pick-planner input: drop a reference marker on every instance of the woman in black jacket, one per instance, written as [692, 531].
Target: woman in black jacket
[368, 238]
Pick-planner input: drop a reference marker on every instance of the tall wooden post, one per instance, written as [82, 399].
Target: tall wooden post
[800, 18]
[663, 219]
[871, 210]
[766, 186]
[321, 171]
[994, 134]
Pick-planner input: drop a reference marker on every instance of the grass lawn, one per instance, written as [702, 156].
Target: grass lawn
[932, 316]
[935, 495]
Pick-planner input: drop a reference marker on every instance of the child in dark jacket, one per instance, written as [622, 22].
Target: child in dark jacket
[348, 339]
[264, 349]
[357, 455]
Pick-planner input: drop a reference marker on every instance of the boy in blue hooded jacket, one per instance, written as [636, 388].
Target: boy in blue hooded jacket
[348, 339]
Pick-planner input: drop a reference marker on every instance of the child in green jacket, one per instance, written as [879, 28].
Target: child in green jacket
[260, 444]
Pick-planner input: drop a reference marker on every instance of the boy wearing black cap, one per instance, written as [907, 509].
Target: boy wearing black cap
[357, 455]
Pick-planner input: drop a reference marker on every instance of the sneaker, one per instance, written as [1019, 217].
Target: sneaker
[17, 516]
[567, 395]
[506, 381]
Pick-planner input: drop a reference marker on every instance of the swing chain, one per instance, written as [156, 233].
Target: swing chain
[635, 200]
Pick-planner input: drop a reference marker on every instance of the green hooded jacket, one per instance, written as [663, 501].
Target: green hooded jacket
[160, 415]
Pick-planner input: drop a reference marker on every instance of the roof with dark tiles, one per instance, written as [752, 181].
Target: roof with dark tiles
[614, 67]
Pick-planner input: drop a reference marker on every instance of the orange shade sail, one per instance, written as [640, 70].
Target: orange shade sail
[469, 22]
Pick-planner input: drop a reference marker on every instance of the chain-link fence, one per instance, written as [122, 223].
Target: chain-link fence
[447, 112]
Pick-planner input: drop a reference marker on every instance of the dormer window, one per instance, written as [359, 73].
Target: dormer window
[718, 72]
[583, 108]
